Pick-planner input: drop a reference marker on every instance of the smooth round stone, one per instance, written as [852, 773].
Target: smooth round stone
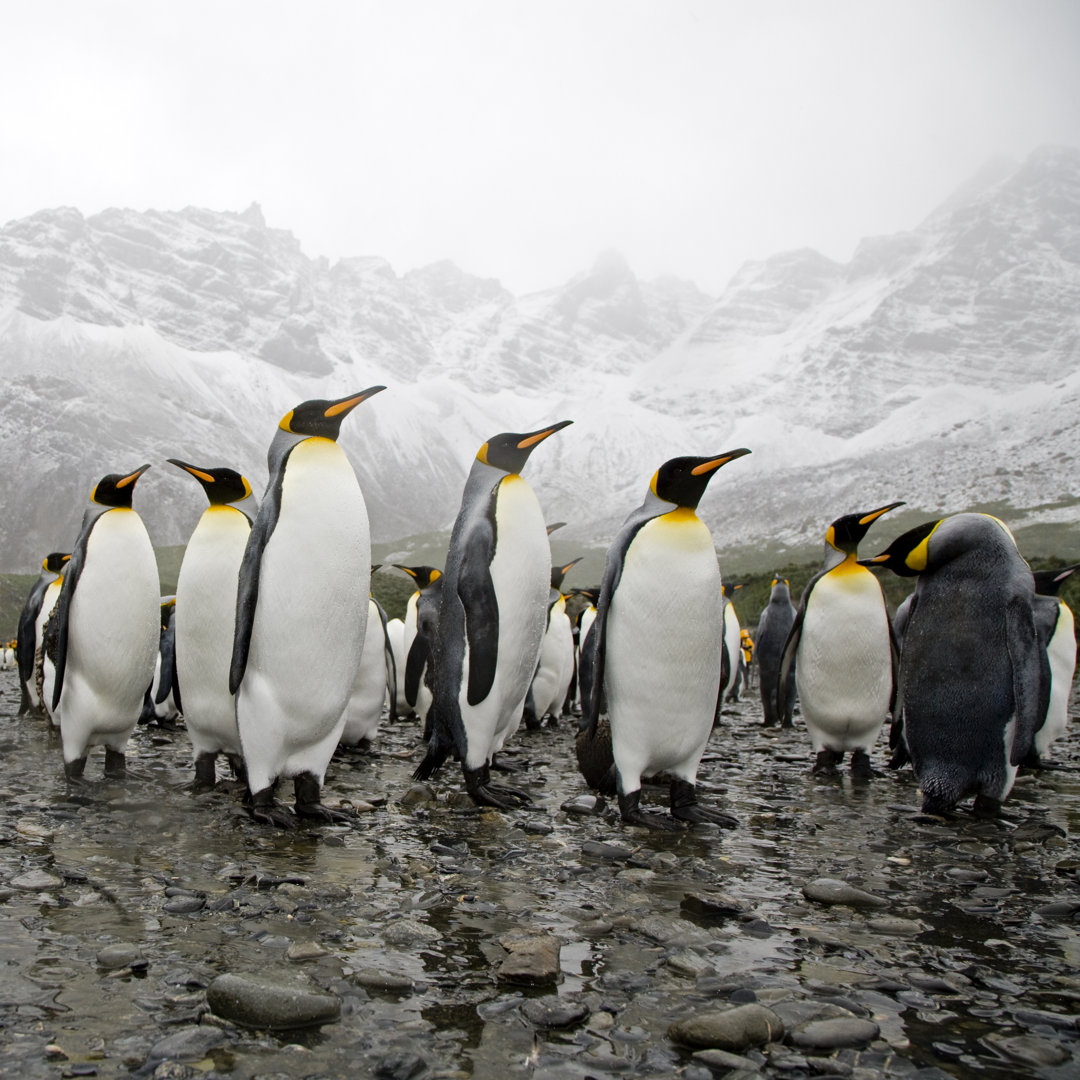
[115, 957]
[374, 979]
[554, 1012]
[835, 1034]
[418, 794]
[300, 951]
[895, 925]
[834, 891]
[184, 905]
[409, 932]
[264, 1002]
[729, 1029]
[36, 881]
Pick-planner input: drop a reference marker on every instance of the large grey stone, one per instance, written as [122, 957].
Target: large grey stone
[834, 891]
[729, 1029]
[531, 961]
[835, 1034]
[262, 1001]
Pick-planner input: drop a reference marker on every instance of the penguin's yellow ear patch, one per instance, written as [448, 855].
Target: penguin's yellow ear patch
[286, 421]
[482, 453]
[653, 482]
[830, 537]
[247, 486]
[435, 575]
[919, 555]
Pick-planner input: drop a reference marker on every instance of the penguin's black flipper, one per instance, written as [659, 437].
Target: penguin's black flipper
[419, 655]
[62, 610]
[168, 667]
[391, 663]
[1031, 675]
[477, 593]
[785, 676]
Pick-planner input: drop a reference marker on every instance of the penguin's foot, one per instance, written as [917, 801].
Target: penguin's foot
[504, 790]
[986, 807]
[484, 793]
[632, 814]
[205, 773]
[685, 807]
[826, 762]
[265, 809]
[308, 791]
[115, 764]
[530, 719]
[861, 767]
[505, 766]
[73, 770]
[239, 771]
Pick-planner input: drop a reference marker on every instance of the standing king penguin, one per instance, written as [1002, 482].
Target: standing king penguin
[491, 616]
[842, 652]
[1058, 632]
[205, 619]
[774, 625]
[301, 610]
[555, 668]
[974, 681]
[376, 676]
[659, 637]
[107, 628]
[28, 636]
[418, 635]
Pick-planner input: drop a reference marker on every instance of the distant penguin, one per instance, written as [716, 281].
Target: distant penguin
[555, 668]
[729, 666]
[659, 642]
[1058, 632]
[395, 635]
[492, 615]
[8, 662]
[301, 610]
[162, 702]
[974, 679]
[586, 620]
[745, 657]
[205, 618]
[374, 675]
[841, 651]
[107, 620]
[421, 628]
[28, 636]
[773, 628]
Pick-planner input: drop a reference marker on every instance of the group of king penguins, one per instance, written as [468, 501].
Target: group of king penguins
[278, 653]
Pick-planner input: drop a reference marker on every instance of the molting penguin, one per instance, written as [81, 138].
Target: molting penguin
[421, 628]
[375, 676]
[492, 614]
[773, 628]
[301, 610]
[659, 634]
[28, 635]
[841, 651]
[107, 620]
[974, 680]
[205, 620]
[555, 668]
[1057, 630]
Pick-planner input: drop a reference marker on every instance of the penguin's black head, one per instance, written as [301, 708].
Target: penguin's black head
[422, 575]
[115, 490]
[845, 532]
[323, 418]
[592, 594]
[222, 486]
[1048, 582]
[168, 610]
[729, 590]
[54, 561]
[559, 572]
[908, 554]
[683, 480]
[510, 450]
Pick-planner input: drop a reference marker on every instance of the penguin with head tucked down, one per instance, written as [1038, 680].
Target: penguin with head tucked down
[974, 681]
[1057, 631]
[773, 627]
[39, 603]
[841, 651]
[205, 619]
[301, 610]
[555, 668]
[106, 628]
[492, 615]
[420, 630]
[659, 631]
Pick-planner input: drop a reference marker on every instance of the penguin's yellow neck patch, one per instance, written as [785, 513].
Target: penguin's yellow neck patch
[681, 515]
[512, 478]
[849, 566]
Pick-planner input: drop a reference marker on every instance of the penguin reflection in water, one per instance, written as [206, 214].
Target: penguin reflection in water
[974, 679]
[656, 646]
[841, 652]
[301, 611]
[491, 616]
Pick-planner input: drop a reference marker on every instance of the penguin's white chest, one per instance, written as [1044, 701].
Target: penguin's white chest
[1061, 652]
[664, 637]
[844, 665]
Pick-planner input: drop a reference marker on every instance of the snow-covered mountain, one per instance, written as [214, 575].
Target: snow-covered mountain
[940, 366]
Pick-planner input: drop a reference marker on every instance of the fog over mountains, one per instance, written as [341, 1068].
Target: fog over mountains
[940, 366]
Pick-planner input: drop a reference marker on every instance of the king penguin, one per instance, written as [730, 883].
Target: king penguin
[729, 665]
[659, 631]
[205, 619]
[107, 627]
[420, 630]
[555, 668]
[841, 651]
[301, 610]
[773, 627]
[28, 635]
[492, 615]
[375, 677]
[974, 680]
[1057, 629]
[162, 702]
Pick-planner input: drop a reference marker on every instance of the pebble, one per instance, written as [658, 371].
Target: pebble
[584, 806]
[1029, 1049]
[729, 1029]
[835, 1034]
[834, 891]
[266, 1002]
[399, 1066]
[532, 961]
[724, 1059]
[596, 849]
[409, 932]
[895, 925]
[36, 881]
[114, 957]
[184, 905]
[300, 951]
[554, 1012]
[417, 795]
[33, 830]
[375, 979]
[187, 1044]
[712, 907]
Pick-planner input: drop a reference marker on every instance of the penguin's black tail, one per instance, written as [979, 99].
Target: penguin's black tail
[437, 752]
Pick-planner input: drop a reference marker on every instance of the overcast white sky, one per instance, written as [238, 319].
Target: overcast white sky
[521, 138]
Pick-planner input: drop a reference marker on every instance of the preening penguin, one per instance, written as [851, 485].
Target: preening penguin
[28, 635]
[491, 617]
[773, 628]
[841, 651]
[659, 636]
[106, 628]
[974, 680]
[301, 610]
[1057, 630]
[205, 618]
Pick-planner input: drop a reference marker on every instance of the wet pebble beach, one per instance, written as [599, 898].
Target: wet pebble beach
[835, 933]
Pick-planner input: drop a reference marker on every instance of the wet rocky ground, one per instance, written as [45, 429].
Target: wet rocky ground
[146, 931]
